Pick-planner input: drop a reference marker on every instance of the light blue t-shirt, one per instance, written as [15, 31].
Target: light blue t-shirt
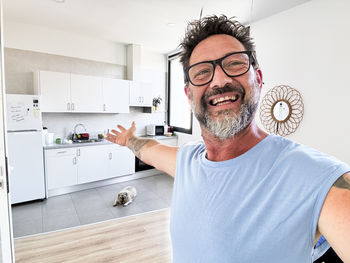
[261, 207]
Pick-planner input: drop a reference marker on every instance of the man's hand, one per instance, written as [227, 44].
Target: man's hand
[121, 137]
[150, 151]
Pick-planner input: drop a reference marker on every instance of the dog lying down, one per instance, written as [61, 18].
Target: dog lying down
[125, 196]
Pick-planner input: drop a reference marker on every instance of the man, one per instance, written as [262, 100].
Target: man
[243, 195]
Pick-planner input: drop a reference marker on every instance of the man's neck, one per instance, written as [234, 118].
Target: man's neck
[221, 150]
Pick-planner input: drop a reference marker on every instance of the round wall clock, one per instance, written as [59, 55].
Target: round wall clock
[281, 110]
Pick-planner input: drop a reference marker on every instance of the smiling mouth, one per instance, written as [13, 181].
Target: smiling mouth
[224, 100]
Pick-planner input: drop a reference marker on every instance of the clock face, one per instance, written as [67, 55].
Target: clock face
[281, 111]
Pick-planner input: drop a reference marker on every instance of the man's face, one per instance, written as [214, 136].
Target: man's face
[226, 105]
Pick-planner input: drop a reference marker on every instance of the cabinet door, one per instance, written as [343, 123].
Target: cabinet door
[60, 168]
[115, 95]
[86, 93]
[146, 94]
[54, 88]
[170, 142]
[141, 94]
[135, 96]
[122, 161]
[92, 163]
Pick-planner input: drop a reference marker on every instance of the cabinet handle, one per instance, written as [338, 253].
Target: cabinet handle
[104, 107]
[110, 156]
[72, 106]
[68, 106]
[61, 152]
[78, 152]
[75, 160]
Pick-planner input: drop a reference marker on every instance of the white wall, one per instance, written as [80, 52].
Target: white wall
[48, 40]
[307, 47]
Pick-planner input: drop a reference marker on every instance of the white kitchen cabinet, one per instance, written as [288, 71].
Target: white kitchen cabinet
[103, 162]
[93, 163]
[171, 141]
[78, 165]
[61, 167]
[67, 92]
[140, 94]
[86, 93]
[121, 161]
[54, 89]
[115, 94]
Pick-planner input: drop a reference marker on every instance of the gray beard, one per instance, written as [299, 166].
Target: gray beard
[227, 123]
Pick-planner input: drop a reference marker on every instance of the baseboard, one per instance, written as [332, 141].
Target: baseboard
[120, 179]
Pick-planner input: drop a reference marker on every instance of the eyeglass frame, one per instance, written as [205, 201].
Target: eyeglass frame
[218, 62]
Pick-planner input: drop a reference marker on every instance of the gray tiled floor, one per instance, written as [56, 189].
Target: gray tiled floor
[90, 206]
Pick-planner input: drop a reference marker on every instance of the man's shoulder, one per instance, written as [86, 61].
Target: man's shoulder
[304, 156]
[192, 148]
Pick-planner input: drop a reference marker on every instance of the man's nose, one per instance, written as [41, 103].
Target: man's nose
[220, 78]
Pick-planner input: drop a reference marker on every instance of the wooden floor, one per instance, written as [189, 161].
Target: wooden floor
[140, 238]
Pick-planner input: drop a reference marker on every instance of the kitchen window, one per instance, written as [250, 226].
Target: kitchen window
[179, 110]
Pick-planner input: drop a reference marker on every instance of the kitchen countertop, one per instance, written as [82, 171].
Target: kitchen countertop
[102, 142]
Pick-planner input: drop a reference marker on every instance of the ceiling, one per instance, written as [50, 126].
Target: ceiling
[156, 25]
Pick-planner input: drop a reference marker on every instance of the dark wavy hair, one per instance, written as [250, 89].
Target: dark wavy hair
[201, 29]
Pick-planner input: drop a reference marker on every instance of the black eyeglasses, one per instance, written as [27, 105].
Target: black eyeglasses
[234, 64]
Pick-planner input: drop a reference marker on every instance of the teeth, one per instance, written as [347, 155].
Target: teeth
[226, 98]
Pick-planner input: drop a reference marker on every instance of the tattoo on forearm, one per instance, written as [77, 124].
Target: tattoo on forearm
[343, 182]
[136, 144]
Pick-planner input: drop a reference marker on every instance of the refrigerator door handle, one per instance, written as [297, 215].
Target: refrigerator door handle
[18, 131]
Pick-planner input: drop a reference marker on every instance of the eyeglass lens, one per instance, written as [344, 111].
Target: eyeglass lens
[233, 65]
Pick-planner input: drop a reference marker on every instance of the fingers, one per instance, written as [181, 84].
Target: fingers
[115, 132]
[121, 128]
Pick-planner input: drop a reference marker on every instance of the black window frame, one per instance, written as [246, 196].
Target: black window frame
[175, 128]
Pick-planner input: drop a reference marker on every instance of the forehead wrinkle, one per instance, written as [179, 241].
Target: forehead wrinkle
[215, 47]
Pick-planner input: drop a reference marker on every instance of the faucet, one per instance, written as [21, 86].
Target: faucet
[75, 130]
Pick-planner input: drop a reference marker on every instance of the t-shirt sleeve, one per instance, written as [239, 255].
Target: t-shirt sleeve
[341, 169]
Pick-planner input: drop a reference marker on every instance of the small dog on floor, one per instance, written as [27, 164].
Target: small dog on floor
[125, 196]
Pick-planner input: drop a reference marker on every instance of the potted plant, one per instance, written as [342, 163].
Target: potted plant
[156, 102]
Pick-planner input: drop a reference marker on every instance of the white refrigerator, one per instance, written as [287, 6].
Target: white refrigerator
[25, 148]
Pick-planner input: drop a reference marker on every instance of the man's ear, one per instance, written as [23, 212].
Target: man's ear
[259, 77]
[188, 93]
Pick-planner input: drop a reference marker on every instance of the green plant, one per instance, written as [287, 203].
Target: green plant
[157, 101]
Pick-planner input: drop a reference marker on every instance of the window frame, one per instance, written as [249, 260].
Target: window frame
[171, 57]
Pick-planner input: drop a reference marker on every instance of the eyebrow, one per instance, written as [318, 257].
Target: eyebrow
[219, 57]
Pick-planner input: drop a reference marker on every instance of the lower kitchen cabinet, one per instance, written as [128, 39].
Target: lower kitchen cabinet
[61, 167]
[121, 161]
[92, 163]
[79, 165]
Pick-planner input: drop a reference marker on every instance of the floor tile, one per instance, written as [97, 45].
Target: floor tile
[91, 206]
[131, 209]
[153, 205]
[29, 227]
[28, 211]
[91, 216]
[58, 205]
[60, 222]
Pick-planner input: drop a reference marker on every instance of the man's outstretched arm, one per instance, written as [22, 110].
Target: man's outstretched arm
[334, 220]
[150, 151]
